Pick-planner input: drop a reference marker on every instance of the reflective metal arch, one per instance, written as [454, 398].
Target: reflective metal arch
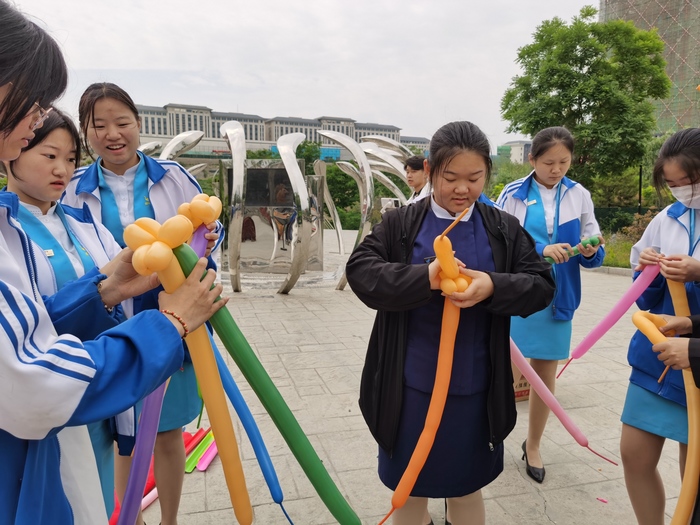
[150, 148]
[287, 146]
[180, 144]
[197, 169]
[386, 142]
[388, 183]
[320, 169]
[366, 182]
[375, 152]
[234, 134]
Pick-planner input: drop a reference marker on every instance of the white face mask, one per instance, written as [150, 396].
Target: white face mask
[687, 195]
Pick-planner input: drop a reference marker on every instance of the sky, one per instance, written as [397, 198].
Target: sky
[412, 64]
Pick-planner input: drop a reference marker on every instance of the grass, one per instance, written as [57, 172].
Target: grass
[617, 250]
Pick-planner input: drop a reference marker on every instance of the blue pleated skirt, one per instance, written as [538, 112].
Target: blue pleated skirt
[461, 460]
[654, 414]
[182, 403]
[541, 337]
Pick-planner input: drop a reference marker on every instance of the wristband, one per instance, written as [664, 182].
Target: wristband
[109, 309]
[178, 319]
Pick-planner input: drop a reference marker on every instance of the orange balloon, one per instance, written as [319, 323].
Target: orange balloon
[175, 231]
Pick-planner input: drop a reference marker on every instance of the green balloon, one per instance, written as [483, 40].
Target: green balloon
[246, 360]
[593, 241]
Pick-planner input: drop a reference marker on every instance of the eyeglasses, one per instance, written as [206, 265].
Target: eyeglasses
[39, 115]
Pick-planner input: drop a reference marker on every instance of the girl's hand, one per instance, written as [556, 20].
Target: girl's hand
[589, 250]
[681, 268]
[211, 238]
[648, 257]
[559, 252]
[434, 270]
[123, 282]
[481, 288]
[676, 325]
[673, 352]
[194, 299]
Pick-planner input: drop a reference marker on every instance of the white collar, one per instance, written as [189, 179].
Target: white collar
[442, 213]
[36, 211]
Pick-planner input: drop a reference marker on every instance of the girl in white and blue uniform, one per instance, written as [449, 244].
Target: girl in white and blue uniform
[51, 385]
[656, 411]
[121, 186]
[558, 213]
[67, 243]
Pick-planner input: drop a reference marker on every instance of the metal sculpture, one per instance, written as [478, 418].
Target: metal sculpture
[180, 144]
[374, 152]
[320, 170]
[389, 184]
[150, 148]
[389, 144]
[365, 184]
[287, 147]
[234, 135]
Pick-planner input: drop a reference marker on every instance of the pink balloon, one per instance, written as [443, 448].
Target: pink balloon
[638, 286]
[207, 457]
[546, 395]
[149, 498]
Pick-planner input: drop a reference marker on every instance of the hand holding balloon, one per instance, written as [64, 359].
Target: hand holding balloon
[480, 288]
[560, 253]
[451, 280]
[123, 281]
[195, 301]
[673, 352]
[675, 325]
[648, 257]
[202, 211]
[682, 268]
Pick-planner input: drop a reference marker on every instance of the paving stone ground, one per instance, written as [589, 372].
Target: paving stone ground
[312, 343]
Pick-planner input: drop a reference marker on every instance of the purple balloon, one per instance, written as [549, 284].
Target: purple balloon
[199, 242]
[143, 450]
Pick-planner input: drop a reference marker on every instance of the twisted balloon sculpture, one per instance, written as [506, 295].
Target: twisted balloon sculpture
[153, 252]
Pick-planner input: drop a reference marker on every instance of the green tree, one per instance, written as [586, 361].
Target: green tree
[596, 79]
[310, 152]
[261, 154]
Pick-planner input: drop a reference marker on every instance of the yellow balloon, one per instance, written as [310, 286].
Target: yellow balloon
[215, 203]
[150, 225]
[200, 197]
[175, 231]
[448, 286]
[462, 284]
[203, 211]
[139, 260]
[158, 257]
[135, 236]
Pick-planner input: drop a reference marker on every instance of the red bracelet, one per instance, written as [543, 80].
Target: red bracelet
[179, 320]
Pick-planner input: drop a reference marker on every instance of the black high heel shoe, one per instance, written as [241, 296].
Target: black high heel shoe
[534, 472]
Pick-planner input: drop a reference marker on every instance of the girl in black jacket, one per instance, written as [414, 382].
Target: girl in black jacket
[393, 271]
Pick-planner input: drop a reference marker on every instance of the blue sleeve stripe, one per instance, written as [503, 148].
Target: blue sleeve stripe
[66, 356]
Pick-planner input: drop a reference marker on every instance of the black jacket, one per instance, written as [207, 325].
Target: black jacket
[380, 274]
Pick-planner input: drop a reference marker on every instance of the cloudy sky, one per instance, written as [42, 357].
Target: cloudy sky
[414, 64]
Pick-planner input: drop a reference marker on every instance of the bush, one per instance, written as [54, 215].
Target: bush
[617, 250]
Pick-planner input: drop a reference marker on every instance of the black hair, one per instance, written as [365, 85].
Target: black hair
[415, 162]
[454, 138]
[90, 97]
[549, 137]
[32, 61]
[55, 120]
[684, 148]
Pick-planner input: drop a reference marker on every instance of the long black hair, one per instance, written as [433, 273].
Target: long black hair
[32, 62]
[683, 147]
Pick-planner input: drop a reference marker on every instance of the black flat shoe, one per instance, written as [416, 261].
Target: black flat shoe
[534, 472]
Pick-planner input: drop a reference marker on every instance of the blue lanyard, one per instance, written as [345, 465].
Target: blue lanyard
[692, 241]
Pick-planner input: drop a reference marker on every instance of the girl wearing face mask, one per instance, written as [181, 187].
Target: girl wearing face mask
[655, 411]
[67, 243]
[120, 187]
[558, 213]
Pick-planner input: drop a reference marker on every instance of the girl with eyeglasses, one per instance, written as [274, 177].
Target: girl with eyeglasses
[53, 383]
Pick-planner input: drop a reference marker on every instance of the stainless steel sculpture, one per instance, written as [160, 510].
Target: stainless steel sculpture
[385, 142]
[234, 134]
[389, 184]
[365, 183]
[180, 144]
[374, 152]
[320, 170]
[150, 148]
[287, 146]
[197, 168]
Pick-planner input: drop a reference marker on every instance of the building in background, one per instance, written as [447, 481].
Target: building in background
[419, 143]
[516, 151]
[678, 24]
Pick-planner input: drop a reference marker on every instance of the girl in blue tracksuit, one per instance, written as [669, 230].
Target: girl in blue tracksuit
[558, 213]
[655, 411]
[51, 383]
[67, 243]
[121, 186]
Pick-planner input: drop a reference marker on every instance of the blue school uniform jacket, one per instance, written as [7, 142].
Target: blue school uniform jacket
[576, 221]
[51, 382]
